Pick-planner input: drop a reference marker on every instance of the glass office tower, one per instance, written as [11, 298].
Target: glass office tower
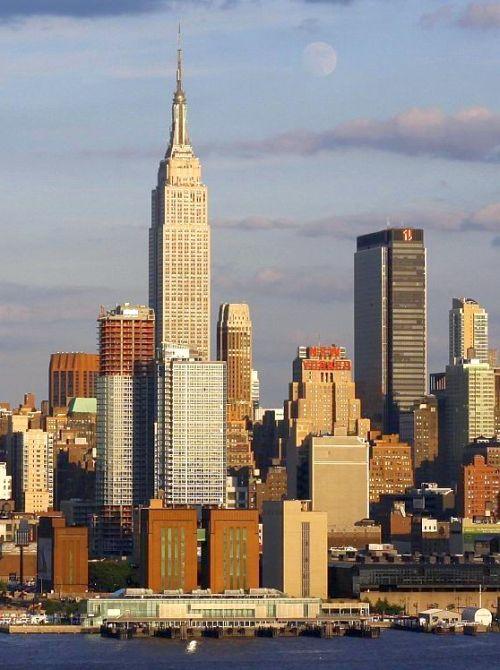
[390, 324]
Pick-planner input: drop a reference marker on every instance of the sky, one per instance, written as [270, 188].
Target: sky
[315, 120]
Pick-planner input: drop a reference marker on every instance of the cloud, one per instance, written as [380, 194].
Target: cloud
[312, 285]
[254, 223]
[329, 2]
[24, 304]
[91, 9]
[85, 9]
[442, 15]
[12, 9]
[471, 134]
[481, 16]
[485, 219]
[309, 25]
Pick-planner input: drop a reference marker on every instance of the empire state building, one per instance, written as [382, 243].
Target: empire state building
[179, 241]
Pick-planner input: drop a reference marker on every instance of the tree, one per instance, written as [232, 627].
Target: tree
[65, 608]
[385, 607]
[107, 576]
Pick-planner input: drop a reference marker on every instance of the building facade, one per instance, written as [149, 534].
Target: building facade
[479, 489]
[125, 394]
[336, 478]
[168, 548]
[391, 469]
[72, 375]
[255, 390]
[5, 483]
[482, 446]
[468, 331]
[62, 556]
[179, 241]
[201, 609]
[295, 548]
[230, 558]
[234, 346]
[322, 401]
[469, 410]
[496, 373]
[190, 443]
[33, 470]
[390, 323]
[420, 428]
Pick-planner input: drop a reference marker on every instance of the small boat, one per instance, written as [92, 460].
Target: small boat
[191, 648]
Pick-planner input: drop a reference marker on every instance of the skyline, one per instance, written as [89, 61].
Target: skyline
[257, 210]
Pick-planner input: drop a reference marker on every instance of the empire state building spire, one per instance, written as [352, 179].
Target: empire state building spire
[179, 240]
[179, 139]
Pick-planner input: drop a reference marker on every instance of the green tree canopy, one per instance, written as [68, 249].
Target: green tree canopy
[108, 576]
[385, 607]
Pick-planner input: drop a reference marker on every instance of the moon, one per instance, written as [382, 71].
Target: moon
[320, 59]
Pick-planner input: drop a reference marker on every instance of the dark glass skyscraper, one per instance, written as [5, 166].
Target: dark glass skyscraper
[390, 324]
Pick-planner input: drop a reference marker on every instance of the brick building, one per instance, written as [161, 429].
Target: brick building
[391, 468]
[72, 375]
[62, 556]
[168, 548]
[479, 489]
[230, 558]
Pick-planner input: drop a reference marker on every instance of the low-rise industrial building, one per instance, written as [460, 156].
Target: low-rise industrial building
[434, 616]
[390, 572]
[199, 609]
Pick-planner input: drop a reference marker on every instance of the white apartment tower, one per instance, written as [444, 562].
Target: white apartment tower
[468, 331]
[190, 446]
[179, 241]
[5, 483]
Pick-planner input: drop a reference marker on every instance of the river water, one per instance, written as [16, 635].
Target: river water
[399, 650]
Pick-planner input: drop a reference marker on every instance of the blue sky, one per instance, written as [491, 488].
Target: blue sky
[407, 128]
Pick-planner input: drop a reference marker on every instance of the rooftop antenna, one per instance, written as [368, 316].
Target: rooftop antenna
[179, 58]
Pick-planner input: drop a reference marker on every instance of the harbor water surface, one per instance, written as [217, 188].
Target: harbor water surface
[394, 650]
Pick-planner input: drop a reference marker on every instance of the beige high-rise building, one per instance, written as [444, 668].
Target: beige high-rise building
[234, 346]
[420, 428]
[469, 410]
[496, 373]
[179, 241]
[322, 401]
[337, 478]
[33, 470]
[468, 331]
[295, 548]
